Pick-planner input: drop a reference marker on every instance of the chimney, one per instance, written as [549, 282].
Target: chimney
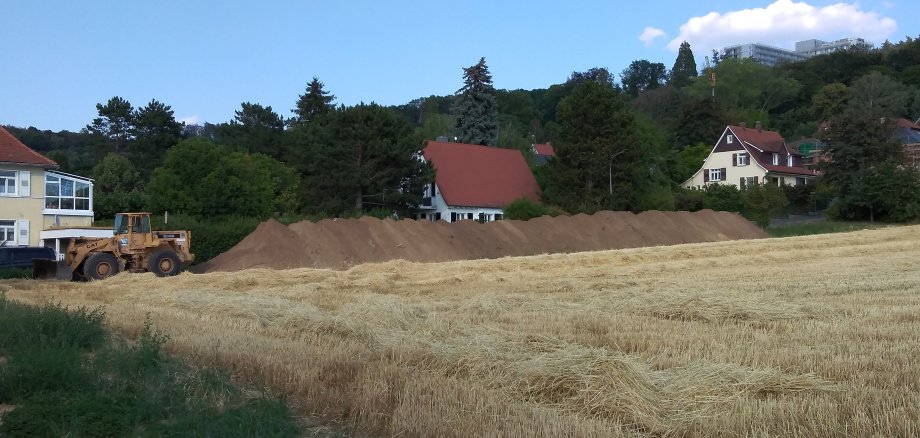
[759, 126]
[743, 125]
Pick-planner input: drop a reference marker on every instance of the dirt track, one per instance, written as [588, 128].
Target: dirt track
[343, 243]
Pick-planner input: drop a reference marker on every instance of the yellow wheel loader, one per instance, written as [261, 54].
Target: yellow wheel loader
[134, 247]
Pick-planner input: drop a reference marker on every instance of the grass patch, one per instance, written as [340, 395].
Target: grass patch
[823, 227]
[66, 377]
[15, 273]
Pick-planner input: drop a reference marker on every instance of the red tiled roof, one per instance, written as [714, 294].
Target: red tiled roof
[768, 141]
[480, 176]
[787, 169]
[907, 124]
[13, 151]
[545, 149]
[771, 142]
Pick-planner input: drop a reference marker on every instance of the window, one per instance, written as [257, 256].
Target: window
[729, 139]
[8, 232]
[748, 182]
[775, 159]
[7, 182]
[743, 159]
[498, 216]
[789, 160]
[63, 193]
[801, 181]
[715, 174]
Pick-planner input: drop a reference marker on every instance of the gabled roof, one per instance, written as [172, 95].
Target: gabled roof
[480, 176]
[14, 152]
[545, 149]
[767, 141]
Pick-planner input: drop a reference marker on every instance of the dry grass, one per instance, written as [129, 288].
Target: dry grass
[808, 336]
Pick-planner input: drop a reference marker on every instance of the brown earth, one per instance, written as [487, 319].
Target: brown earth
[342, 243]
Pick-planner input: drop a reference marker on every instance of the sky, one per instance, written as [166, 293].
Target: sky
[58, 59]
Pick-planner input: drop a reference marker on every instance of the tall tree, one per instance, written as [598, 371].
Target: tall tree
[829, 101]
[878, 95]
[643, 75]
[862, 154]
[475, 110]
[359, 158]
[684, 67]
[597, 152]
[255, 129]
[155, 131]
[313, 102]
[113, 129]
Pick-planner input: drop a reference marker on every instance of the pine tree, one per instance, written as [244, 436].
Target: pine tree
[314, 102]
[475, 111]
[684, 67]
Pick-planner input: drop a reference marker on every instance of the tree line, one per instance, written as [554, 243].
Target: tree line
[623, 142]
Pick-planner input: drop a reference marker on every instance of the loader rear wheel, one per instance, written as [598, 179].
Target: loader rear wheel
[164, 263]
[100, 266]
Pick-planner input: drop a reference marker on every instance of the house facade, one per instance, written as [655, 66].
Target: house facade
[474, 182]
[34, 197]
[746, 156]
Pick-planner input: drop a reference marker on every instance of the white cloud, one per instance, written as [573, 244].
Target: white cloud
[190, 120]
[781, 24]
[650, 34]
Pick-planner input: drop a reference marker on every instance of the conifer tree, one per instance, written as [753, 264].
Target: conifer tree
[314, 102]
[475, 111]
[684, 67]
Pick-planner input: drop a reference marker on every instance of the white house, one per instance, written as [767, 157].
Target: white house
[745, 156]
[39, 205]
[474, 182]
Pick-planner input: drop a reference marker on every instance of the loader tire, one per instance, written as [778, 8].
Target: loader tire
[164, 263]
[100, 266]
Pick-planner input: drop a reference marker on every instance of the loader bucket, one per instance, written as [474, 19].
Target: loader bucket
[46, 269]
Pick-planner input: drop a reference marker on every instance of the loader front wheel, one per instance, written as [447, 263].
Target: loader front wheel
[164, 263]
[100, 266]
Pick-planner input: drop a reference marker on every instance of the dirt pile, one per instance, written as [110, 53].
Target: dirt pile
[343, 243]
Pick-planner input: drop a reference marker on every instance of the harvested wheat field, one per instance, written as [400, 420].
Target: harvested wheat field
[807, 336]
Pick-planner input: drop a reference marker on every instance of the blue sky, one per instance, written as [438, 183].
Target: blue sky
[204, 58]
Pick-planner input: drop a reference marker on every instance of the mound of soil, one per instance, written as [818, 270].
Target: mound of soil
[342, 243]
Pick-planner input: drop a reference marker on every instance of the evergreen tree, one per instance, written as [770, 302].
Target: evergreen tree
[155, 132]
[598, 152]
[475, 111]
[361, 158]
[314, 102]
[684, 67]
[112, 130]
[255, 129]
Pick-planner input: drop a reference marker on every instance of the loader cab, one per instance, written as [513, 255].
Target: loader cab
[133, 230]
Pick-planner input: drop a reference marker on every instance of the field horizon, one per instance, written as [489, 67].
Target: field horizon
[795, 336]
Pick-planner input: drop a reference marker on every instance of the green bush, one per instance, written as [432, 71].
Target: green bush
[524, 209]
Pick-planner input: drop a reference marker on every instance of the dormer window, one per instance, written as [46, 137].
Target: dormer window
[789, 160]
[775, 159]
[729, 139]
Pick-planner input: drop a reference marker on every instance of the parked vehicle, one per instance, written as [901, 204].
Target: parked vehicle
[134, 247]
[22, 256]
